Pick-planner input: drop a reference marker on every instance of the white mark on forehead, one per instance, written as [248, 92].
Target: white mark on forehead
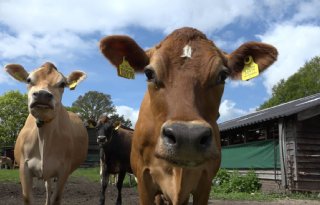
[187, 52]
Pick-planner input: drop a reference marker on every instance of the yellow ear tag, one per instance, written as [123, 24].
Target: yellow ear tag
[125, 70]
[117, 125]
[250, 69]
[73, 85]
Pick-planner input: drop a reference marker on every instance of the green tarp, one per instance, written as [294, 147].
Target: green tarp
[254, 155]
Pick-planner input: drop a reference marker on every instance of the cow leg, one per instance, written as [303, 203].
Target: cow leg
[202, 194]
[57, 193]
[104, 175]
[48, 191]
[146, 193]
[121, 176]
[159, 200]
[26, 183]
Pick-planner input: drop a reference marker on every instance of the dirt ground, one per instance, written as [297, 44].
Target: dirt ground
[87, 193]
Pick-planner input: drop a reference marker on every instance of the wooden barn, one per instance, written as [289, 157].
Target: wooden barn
[282, 144]
[93, 158]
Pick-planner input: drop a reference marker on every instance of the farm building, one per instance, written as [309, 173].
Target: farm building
[282, 144]
[93, 149]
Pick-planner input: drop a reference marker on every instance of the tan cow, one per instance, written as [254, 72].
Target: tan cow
[53, 141]
[6, 162]
[176, 148]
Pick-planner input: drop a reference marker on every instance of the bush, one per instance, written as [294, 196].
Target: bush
[226, 182]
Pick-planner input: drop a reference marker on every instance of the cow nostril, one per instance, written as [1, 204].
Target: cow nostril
[47, 95]
[169, 136]
[205, 138]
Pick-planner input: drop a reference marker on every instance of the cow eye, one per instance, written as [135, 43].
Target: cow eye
[150, 74]
[224, 73]
[62, 84]
[28, 80]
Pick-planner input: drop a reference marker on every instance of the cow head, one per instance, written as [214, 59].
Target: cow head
[106, 129]
[185, 74]
[45, 88]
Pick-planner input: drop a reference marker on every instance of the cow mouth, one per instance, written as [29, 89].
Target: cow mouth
[40, 105]
[180, 162]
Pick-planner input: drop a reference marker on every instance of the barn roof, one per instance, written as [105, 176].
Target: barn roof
[279, 111]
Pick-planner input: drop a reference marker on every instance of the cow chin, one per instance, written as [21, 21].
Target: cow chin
[42, 114]
[180, 162]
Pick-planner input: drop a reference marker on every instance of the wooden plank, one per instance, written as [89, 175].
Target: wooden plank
[308, 141]
[309, 165]
[301, 159]
[306, 147]
[283, 153]
[309, 113]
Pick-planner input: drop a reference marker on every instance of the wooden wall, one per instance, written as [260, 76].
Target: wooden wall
[308, 154]
[93, 149]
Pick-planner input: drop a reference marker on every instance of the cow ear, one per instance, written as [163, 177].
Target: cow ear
[75, 78]
[17, 72]
[262, 54]
[119, 48]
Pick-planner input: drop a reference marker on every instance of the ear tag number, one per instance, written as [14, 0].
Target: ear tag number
[73, 85]
[250, 69]
[125, 70]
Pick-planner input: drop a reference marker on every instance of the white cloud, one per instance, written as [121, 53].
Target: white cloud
[307, 11]
[4, 78]
[241, 83]
[38, 28]
[296, 44]
[228, 111]
[62, 45]
[128, 113]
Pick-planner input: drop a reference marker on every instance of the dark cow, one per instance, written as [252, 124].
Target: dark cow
[115, 148]
[176, 147]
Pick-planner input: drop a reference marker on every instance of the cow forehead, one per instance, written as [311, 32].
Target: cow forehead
[46, 73]
[188, 55]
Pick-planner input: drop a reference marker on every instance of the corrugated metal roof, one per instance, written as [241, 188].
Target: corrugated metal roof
[282, 110]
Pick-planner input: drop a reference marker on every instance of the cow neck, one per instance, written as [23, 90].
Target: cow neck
[46, 131]
[40, 123]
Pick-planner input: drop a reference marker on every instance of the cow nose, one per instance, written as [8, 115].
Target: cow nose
[43, 95]
[101, 138]
[187, 135]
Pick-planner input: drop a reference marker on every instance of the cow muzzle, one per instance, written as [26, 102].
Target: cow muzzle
[186, 144]
[101, 139]
[42, 100]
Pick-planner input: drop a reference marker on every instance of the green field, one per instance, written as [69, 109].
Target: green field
[92, 174]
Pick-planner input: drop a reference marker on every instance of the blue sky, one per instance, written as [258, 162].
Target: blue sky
[67, 33]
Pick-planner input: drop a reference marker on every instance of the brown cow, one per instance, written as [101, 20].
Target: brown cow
[53, 141]
[176, 144]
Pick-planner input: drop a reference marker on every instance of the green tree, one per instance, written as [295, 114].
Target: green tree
[125, 122]
[93, 104]
[301, 84]
[13, 114]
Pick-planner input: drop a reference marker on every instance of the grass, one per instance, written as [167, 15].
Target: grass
[90, 174]
[9, 175]
[259, 196]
